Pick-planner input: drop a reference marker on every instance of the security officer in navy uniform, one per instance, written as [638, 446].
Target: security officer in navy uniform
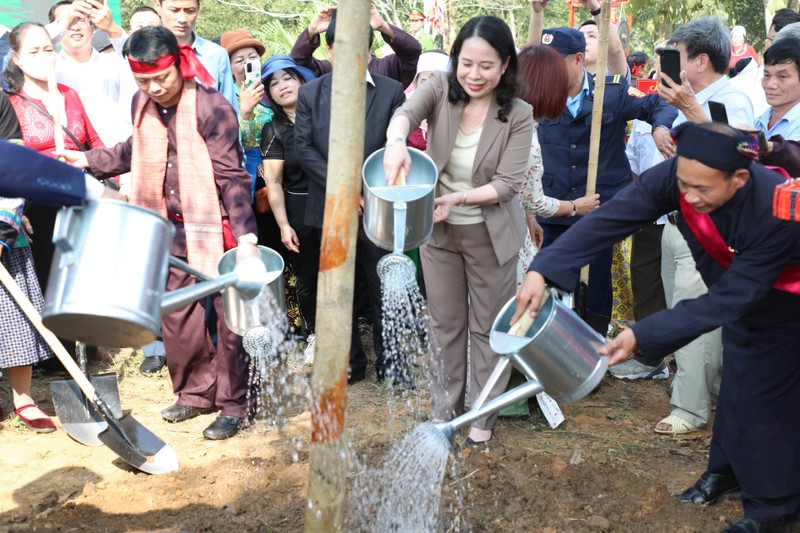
[565, 153]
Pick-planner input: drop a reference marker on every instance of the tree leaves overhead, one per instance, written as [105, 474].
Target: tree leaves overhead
[278, 22]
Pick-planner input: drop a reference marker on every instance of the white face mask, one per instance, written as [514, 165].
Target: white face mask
[37, 67]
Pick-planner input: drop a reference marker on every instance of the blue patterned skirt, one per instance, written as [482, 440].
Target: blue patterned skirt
[20, 343]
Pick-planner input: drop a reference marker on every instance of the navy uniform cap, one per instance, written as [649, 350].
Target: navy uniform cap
[566, 41]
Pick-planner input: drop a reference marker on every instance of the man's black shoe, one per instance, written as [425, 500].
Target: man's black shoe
[354, 376]
[224, 427]
[749, 525]
[709, 488]
[179, 413]
[153, 364]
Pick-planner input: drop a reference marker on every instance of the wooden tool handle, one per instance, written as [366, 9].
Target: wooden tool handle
[520, 327]
[49, 337]
[400, 180]
[56, 109]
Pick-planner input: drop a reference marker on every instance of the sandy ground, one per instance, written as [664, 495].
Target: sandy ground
[604, 469]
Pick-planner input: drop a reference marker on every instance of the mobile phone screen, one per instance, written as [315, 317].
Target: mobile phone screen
[671, 63]
[718, 112]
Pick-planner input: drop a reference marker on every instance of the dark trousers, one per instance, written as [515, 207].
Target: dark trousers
[306, 263]
[203, 376]
[648, 289]
[598, 295]
[368, 255]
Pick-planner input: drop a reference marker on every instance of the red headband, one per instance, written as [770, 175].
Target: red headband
[163, 62]
[190, 66]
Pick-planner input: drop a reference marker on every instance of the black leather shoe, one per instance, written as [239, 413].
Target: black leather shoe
[709, 488]
[179, 413]
[153, 364]
[224, 427]
[356, 376]
[749, 525]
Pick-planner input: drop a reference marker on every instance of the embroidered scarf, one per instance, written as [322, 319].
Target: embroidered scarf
[11, 213]
[709, 237]
[201, 215]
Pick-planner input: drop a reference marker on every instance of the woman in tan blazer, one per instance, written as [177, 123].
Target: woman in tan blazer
[479, 135]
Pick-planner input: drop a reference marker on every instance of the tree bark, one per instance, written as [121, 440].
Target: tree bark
[326, 485]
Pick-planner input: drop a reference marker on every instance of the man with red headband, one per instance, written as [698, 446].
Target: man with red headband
[750, 261]
[186, 163]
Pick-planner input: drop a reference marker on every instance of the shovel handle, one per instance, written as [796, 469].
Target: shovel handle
[49, 337]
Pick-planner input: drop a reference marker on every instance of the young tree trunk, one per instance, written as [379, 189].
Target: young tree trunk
[326, 484]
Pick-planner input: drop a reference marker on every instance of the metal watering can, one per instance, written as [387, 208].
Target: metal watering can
[557, 352]
[109, 274]
[399, 217]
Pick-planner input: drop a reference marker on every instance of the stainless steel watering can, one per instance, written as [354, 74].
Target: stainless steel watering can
[109, 274]
[557, 352]
[399, 217]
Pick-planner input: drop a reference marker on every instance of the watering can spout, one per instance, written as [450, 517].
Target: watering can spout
[447, 430]
[249, 277]
[526, 390]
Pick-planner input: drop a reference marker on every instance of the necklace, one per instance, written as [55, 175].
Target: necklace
[467, 123]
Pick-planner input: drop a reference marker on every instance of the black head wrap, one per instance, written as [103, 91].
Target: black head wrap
[714, 149]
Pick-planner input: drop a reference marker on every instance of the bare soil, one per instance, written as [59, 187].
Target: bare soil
[604, 469]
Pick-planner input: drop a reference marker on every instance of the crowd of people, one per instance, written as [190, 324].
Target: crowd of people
[231, 144]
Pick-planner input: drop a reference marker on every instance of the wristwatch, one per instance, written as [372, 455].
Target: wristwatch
[574, 209]
[393, 140]
[247, 238]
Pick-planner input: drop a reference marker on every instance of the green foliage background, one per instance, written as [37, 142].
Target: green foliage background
[653, 20]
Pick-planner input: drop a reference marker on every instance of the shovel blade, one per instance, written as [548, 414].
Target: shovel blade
[139, 447]
[75, 412]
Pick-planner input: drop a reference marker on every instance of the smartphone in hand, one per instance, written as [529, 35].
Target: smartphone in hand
[670, 61]
[718, 112]
[252, 72]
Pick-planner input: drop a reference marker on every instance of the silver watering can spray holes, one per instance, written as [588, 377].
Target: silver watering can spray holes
[399, 269]
[84, 303]
[557, 352]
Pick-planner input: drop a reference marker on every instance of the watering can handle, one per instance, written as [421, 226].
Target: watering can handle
[400, 180]
[61, 229]
[520, 327]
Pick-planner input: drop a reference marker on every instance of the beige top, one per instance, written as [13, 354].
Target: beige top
[500, 160]
[457, 176]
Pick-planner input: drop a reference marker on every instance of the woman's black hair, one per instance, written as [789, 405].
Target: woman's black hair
[280, 114]
[13, 75]
[497, 33]
[149, 44]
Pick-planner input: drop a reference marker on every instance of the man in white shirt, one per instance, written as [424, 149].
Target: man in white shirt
[179, 17]
[781, 84]
[749, 80]
[103, 81]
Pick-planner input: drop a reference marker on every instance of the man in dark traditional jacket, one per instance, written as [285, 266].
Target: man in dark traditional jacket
[185, 161]
[750, 261]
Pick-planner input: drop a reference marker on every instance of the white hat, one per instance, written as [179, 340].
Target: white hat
[738, 30]
[432, 61]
